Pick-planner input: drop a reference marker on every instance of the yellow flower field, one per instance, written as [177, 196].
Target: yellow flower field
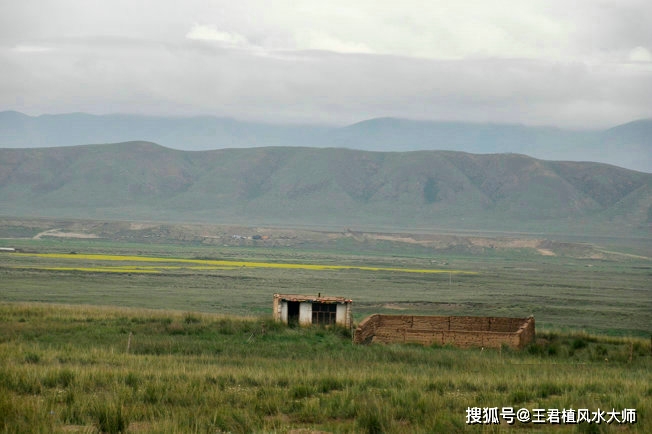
[204, 264]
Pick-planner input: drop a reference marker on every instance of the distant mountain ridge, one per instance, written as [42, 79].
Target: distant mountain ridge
[326, 186]
[628, 145]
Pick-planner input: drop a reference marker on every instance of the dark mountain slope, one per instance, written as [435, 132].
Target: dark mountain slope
[309, 186]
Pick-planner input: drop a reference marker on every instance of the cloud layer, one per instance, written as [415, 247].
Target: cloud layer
[540, 62]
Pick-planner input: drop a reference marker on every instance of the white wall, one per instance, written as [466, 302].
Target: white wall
[305, 313]
[284, 311]
[340, 316]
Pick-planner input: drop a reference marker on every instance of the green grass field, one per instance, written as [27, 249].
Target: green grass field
[562, 292]
[89, 369]
[180, 339]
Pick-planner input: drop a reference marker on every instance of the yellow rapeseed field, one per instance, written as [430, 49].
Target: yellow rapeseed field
[103, 269]
[206, 264]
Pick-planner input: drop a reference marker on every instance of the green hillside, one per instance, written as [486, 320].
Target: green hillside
[325, 187]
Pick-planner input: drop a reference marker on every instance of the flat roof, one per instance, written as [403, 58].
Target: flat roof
[312, 298]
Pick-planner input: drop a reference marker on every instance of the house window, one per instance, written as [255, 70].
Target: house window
[324, 313]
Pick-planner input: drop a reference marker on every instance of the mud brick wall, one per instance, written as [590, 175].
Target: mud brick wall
[366, 330]
[526, 332]
[460, 331]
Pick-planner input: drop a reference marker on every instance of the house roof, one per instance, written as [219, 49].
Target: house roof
[312, 298]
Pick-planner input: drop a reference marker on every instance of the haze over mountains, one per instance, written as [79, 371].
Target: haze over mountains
[326, 186]
[628, 145]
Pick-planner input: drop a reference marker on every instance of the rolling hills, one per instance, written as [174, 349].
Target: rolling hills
[326, 187]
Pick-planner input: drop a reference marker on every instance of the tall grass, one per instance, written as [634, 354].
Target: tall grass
[67, 368]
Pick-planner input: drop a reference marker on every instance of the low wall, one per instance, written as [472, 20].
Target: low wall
[460, 331]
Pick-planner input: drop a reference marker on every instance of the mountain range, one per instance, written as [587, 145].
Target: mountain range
[329, 187]
[628, 145]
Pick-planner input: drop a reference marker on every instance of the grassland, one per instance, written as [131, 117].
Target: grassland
[89, 369]
[180, 340]
[607, 296]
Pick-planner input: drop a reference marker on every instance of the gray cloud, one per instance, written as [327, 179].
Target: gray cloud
[333, 62]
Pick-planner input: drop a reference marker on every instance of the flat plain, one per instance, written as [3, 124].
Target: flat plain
[181, 340]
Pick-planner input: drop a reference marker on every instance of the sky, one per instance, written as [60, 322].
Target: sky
[584, 64]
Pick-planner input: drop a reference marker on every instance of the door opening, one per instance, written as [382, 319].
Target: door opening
[293, 313]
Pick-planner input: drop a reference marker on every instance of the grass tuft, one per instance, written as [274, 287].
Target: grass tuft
[110, 417]
[32, 358]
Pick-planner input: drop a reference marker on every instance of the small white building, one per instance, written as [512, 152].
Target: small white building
[310, 309]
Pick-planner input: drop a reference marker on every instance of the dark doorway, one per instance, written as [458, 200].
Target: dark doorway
[293, 313]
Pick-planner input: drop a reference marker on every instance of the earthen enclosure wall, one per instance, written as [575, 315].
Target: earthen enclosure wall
[460, 331]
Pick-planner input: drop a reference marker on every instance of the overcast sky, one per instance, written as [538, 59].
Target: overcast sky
[579, 64]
